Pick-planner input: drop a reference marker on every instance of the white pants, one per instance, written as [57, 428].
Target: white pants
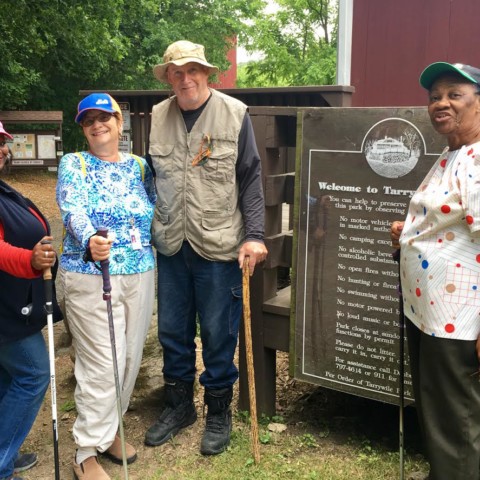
[132, 300]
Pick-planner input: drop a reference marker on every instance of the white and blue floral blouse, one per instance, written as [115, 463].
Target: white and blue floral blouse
[119, 196]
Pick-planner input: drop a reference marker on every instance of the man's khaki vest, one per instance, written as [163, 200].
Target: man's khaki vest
[197, 203]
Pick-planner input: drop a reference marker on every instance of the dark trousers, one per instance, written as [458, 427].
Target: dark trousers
[189, 285]
[24, 379]
[447, 398]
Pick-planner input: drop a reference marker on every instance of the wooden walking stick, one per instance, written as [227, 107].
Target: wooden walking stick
[250, 369]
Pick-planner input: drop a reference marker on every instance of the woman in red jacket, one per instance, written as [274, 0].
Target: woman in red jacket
[24, 363]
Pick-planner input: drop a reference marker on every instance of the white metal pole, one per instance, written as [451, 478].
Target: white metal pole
[344, 51]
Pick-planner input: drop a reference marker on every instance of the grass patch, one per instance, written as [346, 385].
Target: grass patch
[287, 455]
[68, 406]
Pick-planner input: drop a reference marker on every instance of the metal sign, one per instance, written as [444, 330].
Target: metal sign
[124, 143]
[18, 163]
[125, 108]
[358, 170]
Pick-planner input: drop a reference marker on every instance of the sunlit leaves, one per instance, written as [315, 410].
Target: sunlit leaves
[296, 45]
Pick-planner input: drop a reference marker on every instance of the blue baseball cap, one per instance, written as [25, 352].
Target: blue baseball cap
[97, 101]
[435, 70]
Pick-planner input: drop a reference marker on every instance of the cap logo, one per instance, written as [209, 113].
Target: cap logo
[102, 101]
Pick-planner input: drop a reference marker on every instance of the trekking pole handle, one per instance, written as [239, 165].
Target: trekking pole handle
[47, 273]
[104, 264]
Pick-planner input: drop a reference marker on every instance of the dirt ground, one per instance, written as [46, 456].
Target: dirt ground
[301, 404]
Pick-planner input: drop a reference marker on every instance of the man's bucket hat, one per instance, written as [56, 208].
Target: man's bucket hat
[181, 53]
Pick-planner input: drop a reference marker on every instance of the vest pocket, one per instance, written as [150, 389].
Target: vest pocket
[159, 153]
[220, 165]
[216, 232]
[161, 217]
[216, 221]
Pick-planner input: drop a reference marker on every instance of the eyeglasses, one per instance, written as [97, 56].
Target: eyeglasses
[2, 144]
[101, 117]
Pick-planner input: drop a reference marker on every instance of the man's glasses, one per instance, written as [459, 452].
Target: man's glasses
[101, 117]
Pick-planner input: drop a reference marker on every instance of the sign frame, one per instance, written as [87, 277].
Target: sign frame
[345, 308]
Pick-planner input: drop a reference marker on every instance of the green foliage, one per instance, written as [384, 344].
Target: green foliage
[265, 437]
[213, 23]
[68, 406]
[308, 440]
[264, 420]
[369, 454]
[243, 416]
[297, 45]
[53, 48]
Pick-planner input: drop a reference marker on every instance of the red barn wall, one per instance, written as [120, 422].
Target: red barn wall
[228, 79]
[393, 41]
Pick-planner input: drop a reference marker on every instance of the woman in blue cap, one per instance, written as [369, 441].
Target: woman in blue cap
[440, 274]
[103, 187]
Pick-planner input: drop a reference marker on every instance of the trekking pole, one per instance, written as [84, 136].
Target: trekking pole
[47, 278]
[402, 388]
[107, 288]
[249, 357]
[401, 375]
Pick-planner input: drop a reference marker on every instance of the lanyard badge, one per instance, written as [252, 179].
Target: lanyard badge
[135, 238]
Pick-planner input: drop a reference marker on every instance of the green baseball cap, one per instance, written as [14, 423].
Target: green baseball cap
[435, 70]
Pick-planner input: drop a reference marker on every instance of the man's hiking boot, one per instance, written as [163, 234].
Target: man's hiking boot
[216, 436]
[179, 413]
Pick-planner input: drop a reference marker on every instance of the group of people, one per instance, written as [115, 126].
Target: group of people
[199, 201]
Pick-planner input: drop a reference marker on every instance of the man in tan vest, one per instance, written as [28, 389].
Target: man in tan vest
[209, 217]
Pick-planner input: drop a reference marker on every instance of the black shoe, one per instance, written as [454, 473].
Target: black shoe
[24, 461]
[170, 422]
[216, 436]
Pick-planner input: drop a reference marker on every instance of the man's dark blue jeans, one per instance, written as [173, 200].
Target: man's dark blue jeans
[189, 285]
